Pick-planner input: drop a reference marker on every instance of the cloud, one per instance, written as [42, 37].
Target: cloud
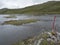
[39, 1]
[18, 3]
[1, 4]
[15, 3]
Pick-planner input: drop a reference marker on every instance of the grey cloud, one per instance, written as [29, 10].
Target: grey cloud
[15, 3]
[18, 3]
[1, 4]
[39, 1]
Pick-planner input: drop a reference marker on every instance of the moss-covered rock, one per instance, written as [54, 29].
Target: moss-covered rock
[42, 39]
[45, 42]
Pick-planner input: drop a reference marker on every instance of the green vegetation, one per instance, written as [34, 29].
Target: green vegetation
[10, 16]
[45, 36]
[19, 22]
[46, 40]
[51, 7]
[19, 43]
[25, 42]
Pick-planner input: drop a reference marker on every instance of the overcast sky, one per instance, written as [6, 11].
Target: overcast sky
[18, 3]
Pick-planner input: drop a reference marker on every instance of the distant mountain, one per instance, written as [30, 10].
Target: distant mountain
[50, 7]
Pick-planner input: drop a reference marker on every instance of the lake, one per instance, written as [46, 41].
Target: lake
[10, 34]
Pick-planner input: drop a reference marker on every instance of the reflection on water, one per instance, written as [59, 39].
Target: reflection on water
[21, 17]
[11, 33]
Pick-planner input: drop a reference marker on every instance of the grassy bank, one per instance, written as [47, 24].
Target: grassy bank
[45, 38]
[19, 22]
[10, 16]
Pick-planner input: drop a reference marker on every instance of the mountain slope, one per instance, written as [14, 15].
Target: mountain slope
[51, 6]
[48, 7]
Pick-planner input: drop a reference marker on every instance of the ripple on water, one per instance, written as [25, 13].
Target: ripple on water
[11, 33]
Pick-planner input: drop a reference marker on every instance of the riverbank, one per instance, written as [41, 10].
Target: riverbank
[45, 38]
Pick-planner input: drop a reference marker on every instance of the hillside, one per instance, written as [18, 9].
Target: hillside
[50, 7]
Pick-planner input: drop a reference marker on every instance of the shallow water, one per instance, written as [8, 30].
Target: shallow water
[11, 33]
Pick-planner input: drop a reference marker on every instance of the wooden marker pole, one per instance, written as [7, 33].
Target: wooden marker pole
[53, 25]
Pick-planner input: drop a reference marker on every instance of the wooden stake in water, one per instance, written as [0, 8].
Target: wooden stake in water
[53, 25]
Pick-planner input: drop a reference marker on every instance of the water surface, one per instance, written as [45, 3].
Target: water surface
[12, 33]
